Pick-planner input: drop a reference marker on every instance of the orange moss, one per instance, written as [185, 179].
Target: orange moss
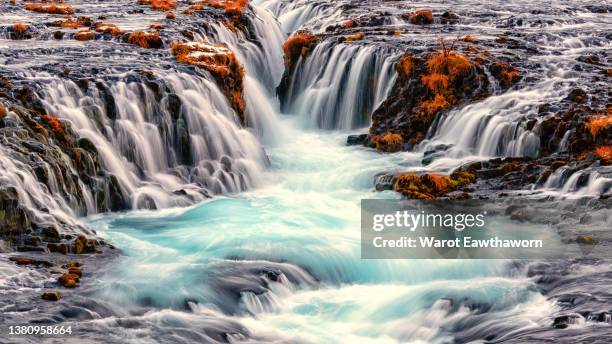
[436, 82]
[233, 8]
[355, 37]
[388, 142]
[469, 39]
[452, 64]
[604, 152]
[405, 66]
[56, 125]
[439, 103]
[298, 45]
[425, 186]
[163, 5]
[20, 28]
[85, 35]
[598, 124]
[108, 28]
[50, 8]
[2, 111]
[222, 64]
[170, 15]
[145, 39]
[506, 74]
[421, 17]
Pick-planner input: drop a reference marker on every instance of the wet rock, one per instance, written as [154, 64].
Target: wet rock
[564, 321]
[449, 17]
[586, 240]
[424, 89]
[23, 261]
[68, 280]
[52, 296]
[360, 139]
[58, 248]
[577, 95]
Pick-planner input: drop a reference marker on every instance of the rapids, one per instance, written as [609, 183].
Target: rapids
[251, 235]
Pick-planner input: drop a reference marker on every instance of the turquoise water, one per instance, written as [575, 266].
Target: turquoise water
[304, 215]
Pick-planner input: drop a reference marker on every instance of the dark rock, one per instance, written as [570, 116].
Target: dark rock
[564, 321]
[577, 95]
[52, 296]
[360, 139]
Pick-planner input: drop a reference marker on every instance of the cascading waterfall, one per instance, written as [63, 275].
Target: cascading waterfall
[263, 62]
[495, 126]
[280, 263]
[354, 80]
[149, 141]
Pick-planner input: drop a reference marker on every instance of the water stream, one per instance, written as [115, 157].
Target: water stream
[255, 231]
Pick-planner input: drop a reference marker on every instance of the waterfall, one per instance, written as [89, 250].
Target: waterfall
[163, 145]
[496, 126]
[354, 80]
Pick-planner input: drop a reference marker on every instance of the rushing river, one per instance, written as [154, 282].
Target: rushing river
[254, 234]
[306, 215]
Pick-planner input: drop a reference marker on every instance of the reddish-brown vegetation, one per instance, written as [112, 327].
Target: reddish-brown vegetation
[222, 64]
[430, 185]
[445, 68]
[50, 8]
[435, 105]
[20, 28]
[405, 66]
[421, 17]
[108, 28]
[469, 39]
[85, 35]
[389, 142]
[598, 124]
[424, 186]
[506, 74]
[604, 152]
[233, 8]
[56, 125]
[355, 37]
[146, 39]
[2, 111]
[298, 45]
[163, 5]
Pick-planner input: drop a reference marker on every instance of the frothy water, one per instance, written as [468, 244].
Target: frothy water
[275, 255]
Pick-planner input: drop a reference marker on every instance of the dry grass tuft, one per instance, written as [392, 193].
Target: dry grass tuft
[598, 124]
[604, 152]
[405, 66]
[439, 103]
[469, 39]
[298, 45]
